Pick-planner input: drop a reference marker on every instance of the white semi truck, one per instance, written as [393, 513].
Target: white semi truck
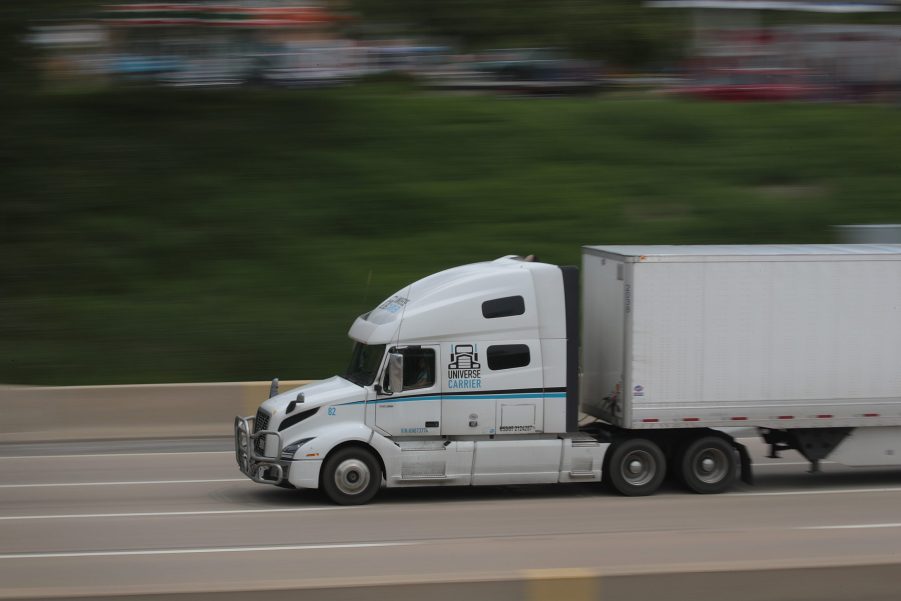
[471, 376]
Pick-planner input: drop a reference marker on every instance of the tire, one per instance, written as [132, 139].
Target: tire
[351, 476]
[637, 467]
[708, 465]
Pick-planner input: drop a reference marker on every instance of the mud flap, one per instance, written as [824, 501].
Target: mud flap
[747, 476]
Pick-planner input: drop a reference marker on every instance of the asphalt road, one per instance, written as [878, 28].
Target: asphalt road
[163, 516]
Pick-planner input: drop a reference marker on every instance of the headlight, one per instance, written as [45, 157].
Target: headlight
[288, 451]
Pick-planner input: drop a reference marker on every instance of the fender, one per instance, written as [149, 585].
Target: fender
[327, 436]
[305, 472]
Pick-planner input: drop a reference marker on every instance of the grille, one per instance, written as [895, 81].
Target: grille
[259, 424]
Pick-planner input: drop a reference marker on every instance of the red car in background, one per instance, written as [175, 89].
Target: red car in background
[748, 84]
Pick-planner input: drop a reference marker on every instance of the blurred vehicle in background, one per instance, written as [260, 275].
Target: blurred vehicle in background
[209, 72]
[341, 61]
[130, 67]
[522, 71]
[794, 62]
[411, 58]
[863, 62]
[756, 85]
[313, 64]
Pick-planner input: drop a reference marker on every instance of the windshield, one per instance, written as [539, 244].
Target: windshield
[364, 363]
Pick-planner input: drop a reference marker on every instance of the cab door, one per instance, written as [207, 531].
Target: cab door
[415, 410]
[493, 388]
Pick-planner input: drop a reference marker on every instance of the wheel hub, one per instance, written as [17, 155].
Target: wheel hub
[638, 468]
[352, 476]
[711, 466]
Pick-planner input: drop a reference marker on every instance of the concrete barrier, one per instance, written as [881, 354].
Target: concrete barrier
[860, 582]
[67, 413]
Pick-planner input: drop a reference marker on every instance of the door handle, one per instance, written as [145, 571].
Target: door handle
[386, 406]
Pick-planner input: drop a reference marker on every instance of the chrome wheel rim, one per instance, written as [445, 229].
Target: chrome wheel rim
[352, 476]
[711, 466]
[638, 468]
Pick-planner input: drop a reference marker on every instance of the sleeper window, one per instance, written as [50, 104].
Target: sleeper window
[508, 356]
[503, 307]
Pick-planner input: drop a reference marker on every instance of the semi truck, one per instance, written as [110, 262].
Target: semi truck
[516, 371]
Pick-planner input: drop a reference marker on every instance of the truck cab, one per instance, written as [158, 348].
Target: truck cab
[466, 377]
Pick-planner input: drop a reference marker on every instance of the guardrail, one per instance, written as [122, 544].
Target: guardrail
[67, 413]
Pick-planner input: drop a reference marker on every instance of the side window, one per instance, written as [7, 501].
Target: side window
[508, 356]
[419, 368]
[503, 307]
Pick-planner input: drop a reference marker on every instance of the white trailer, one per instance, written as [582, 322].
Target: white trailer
[471, 376]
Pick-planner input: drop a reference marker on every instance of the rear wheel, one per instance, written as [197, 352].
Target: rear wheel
[351, 476]
[709, 465]
[637, 467]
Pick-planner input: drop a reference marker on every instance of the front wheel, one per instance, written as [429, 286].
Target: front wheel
[709, 465]
[351, 476]
[637, 467]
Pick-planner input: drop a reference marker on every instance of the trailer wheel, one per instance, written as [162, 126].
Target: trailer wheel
[351, 476]
[637, 467]
[708, 465]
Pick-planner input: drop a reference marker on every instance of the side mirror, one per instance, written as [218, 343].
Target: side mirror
[396, 372]
[294, 403]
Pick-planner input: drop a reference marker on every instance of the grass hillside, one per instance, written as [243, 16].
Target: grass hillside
[168, 236]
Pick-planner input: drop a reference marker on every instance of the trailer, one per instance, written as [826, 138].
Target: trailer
[471, 376]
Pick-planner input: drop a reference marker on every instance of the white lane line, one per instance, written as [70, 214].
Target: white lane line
[77, 455]
[834, 491]
[169, 513]
[43, 485]
[205, 550]
[848, 526]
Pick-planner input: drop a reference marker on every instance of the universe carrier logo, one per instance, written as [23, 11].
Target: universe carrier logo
[464, 369]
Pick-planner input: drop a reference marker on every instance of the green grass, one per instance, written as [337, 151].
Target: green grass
[167, 236]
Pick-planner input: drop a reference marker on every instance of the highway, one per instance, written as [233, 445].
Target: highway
[176, 516]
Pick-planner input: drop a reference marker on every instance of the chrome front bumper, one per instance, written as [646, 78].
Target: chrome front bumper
[262, 468]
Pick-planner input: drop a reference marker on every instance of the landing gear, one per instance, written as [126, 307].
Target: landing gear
[815, 444]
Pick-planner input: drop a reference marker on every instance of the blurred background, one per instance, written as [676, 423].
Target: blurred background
[212, 191]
